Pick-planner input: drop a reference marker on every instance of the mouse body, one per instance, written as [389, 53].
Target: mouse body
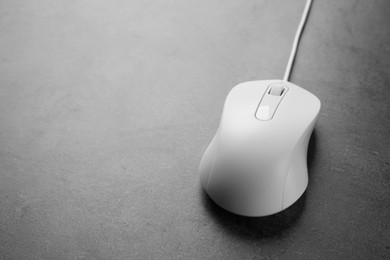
[256, 163]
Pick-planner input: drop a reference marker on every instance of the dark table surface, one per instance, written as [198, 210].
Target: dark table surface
[107, 106]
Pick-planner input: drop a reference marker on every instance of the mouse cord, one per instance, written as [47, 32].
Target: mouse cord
[296, 41]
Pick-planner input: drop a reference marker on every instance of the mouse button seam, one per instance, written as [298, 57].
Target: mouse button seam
[258, 105]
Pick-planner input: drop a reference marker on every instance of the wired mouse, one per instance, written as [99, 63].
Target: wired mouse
[256, 163]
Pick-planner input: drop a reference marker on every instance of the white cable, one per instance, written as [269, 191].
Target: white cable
[296, 41]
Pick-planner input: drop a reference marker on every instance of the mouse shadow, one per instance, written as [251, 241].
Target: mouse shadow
[268, 227]
[311, 152]
[255, 227]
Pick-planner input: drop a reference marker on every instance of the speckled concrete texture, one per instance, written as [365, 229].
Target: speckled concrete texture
[107, 106]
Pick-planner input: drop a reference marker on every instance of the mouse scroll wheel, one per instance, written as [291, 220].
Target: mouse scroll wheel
[276, 90]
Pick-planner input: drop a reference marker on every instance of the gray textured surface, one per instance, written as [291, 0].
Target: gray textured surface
[107, 106]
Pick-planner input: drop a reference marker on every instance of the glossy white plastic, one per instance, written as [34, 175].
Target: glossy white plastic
[257, 167]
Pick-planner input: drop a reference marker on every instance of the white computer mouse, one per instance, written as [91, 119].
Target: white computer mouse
[256, 163]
